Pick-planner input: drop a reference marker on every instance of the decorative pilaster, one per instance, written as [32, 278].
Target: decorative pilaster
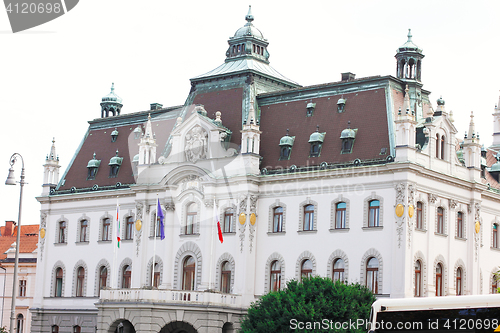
[411, 211]
[138, 226]
[253, 217]
[399, 210]
[242, 209]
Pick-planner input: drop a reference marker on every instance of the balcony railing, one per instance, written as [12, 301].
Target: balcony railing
[171, 296]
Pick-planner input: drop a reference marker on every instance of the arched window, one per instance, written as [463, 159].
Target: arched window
[439, 280]
[309, 217]
[103, 277]
[340, 210]
[55, 329]
[188, 268]
[418, 278]
[190, 218]
[437, 145]
[77, 329]
[62, 232]
[80, 280]
[442, 147]
[225, 279]
[20, 323]
[460, 225]
[372, 274]
[83, 230]
[156, 275]
[228, 221]
[373, 213]
[459, 281]
[129, 228]
[106, 229]
[495, 236]
[275, 278]
[59, 282]
[420, 220]
[306, 269]
[440, 221]
[338, 270]
[126, 276]
[278, 219]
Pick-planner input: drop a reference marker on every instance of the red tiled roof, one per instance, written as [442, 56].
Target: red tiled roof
[28, 244]
[490, 160]
[366, 110]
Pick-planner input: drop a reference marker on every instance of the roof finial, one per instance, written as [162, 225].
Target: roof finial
[409, 35]
[287, 131]
[249, 16]
[112, 86]
[317, 128]
[348, 124]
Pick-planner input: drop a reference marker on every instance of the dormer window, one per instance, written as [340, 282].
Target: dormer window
[114, 165]
[137, 132]
[310, 109]
[347, 136]
[286, 144]
[92, 167]
[341, 105]
[316, 140]
[114, 135]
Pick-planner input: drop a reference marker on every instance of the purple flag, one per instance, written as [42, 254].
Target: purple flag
[159, 215]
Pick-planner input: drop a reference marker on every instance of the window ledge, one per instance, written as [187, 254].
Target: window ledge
[339, 230]
[495, 248]
[152, 237]
[440, 234]
[460, 238]
[104, 241]
[229, 233]
[60, 244]
[127, 240]
[307, 231]
[82, 243]
[270, 233]
[373, 228]
[421, 230]
[189, 235]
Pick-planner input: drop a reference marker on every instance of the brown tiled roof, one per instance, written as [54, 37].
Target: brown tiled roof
[366, 110]
[28, 240]
[99, 141]
[490, 160]
[229, 103]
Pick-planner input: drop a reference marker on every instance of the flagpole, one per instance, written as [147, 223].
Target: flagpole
[212, 247]
[154, 241]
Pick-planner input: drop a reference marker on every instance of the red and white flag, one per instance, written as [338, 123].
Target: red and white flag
[219, 231]
[118, 225]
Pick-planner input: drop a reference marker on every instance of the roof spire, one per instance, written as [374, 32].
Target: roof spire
[472, 131]
[112, 86]
[249, 16]
[409, 35]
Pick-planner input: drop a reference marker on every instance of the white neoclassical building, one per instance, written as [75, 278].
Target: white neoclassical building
[361, 180]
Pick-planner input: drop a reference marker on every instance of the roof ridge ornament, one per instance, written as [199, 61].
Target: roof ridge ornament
[409, 35]
[249, 16]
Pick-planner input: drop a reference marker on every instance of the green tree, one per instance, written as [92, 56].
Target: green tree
[314, 300]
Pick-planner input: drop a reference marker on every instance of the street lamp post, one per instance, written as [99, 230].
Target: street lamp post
[12, 181]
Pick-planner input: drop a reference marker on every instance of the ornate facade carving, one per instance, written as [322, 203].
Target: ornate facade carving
[196, 144]
[432, 198]
[253, 203]
[43, 224]
[453, 203]
[169, 206]
[400, 193]
[139, 207]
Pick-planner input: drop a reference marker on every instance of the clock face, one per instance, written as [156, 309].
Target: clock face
[138, 225]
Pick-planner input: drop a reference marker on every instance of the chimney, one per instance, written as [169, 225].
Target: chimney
[9, 228]
[348, 76]
[156, 106]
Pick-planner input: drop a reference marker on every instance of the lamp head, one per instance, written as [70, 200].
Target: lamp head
[11, 180]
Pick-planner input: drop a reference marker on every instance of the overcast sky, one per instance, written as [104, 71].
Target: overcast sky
[53, 76]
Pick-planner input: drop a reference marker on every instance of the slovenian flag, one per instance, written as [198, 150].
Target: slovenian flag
[219, 231]
[159, 216]
[118, 225]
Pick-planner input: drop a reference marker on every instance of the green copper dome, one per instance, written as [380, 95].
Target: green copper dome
[115, 160]
[112, 97]
[317, 137]
[348, 134]
[248, 29]
[287, 140]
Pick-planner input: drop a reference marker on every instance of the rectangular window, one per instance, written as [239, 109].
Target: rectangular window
[190, 224]
[460, 225]
[228, 221]
[420, 222]
[440, 221]
[62, 232]
[340, 215]
[373, 214]
[308, 217]
[129, 230]
[106, 232]
[278, 219]
[22, 288]
[83, 230]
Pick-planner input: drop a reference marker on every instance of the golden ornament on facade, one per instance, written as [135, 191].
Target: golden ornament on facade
[253, 219]
[411, 210]
[138, 225]
[242, 218]
[400, 210]
[477, 227]
[42, 233]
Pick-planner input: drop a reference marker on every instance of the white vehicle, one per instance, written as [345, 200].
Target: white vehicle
[475, 313]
